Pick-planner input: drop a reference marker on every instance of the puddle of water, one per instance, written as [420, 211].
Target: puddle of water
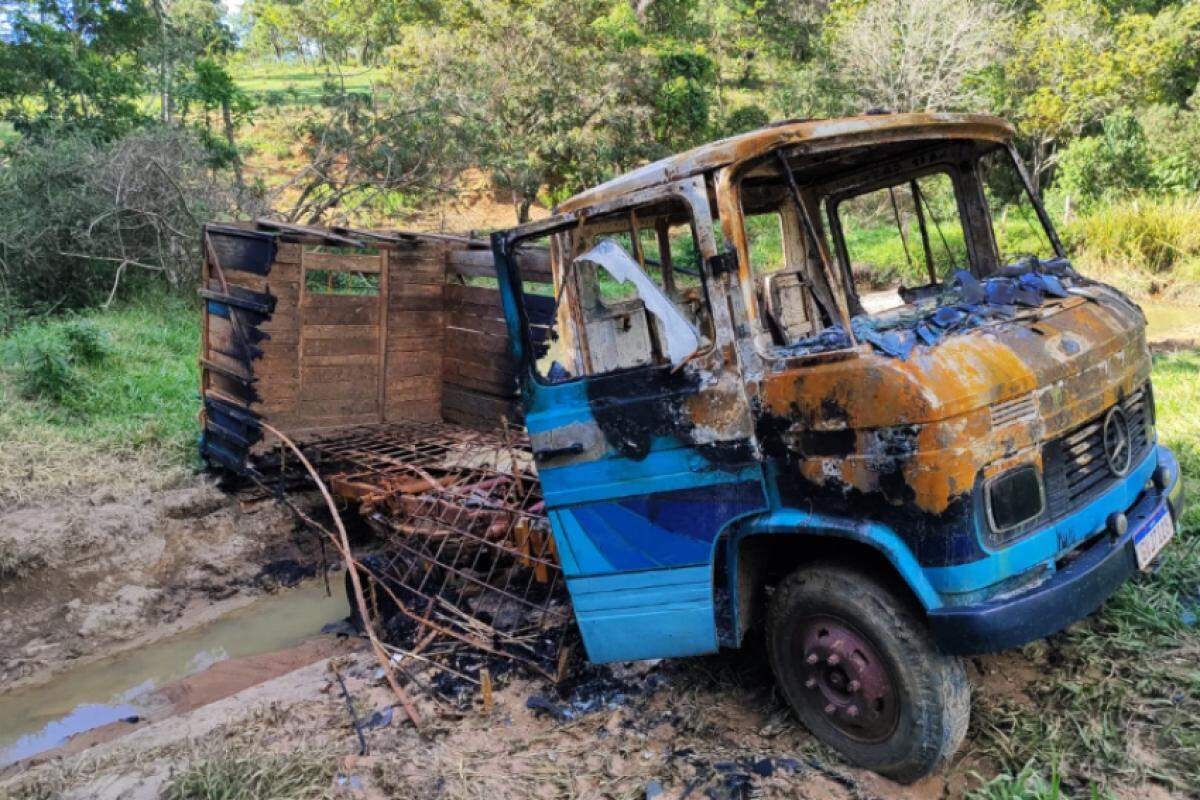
[38, 719]
[1165, 321]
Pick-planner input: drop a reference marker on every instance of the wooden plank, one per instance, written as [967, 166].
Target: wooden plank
[499, 372]
[341, 391]
[468, 340]
[426, 363]
[341, 373]
[411, 343]
[479, 405]
[482, 385]
[425, 389]
[477, 295]
[340, 332]
[356, 313]
[382, 336]
[416, 303]
[342, 262]
[339, 407]
[533, 264]
[473, 322]
[410, 322]
[308, 362]
[288, 253]
[339, 347]
[418, 410]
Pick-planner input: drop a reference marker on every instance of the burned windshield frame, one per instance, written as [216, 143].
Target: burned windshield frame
[1030, 194]
[546, 231]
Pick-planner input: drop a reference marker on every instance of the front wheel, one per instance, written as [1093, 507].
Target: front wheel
[857, 663]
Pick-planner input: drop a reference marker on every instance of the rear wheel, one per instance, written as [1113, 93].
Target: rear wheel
[857, 663]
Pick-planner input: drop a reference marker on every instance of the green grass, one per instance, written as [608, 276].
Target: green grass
[138, 398]
[1120, 701]
[284, 84]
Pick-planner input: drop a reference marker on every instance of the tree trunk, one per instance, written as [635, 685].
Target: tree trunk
[227, 119]
[523, 210]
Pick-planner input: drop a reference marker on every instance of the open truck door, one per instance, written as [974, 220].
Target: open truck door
[637, 412]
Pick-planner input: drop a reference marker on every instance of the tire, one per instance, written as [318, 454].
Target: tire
[859, 667]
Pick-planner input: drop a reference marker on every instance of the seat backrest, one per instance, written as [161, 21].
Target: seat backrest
[789, 305]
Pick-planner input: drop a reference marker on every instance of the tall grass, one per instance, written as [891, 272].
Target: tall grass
[1144, 245]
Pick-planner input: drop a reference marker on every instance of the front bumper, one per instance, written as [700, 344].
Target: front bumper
[1071, 594]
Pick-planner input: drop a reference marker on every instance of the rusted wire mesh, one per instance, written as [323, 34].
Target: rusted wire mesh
[467, 553]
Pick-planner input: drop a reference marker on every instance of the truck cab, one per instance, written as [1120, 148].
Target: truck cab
[836, 381]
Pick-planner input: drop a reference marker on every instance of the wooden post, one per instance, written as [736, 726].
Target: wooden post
[385, 300]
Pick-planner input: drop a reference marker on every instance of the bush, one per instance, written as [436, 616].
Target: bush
[47, 371]
[87, 343]
[47, 358]
[78, 217]
[1116, 161]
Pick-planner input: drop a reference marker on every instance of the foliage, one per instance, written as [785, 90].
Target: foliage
[76, 66]
[48, 358]
[77, 216]
[1075, 61]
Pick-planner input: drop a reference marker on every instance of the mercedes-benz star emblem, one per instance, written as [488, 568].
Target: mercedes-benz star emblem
[1117, 447]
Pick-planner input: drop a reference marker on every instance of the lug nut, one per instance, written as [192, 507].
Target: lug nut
[854, 686]
[810, 683]
[833, 660]
[812, 659]
[852, 711]
[829, 709]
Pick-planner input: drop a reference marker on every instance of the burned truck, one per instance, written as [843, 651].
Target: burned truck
[743, 420]
[831, 383]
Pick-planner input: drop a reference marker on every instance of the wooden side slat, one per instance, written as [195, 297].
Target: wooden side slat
[342, 262]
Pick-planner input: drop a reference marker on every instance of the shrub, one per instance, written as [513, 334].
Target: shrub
[45, 368]
[47, 359]
[1116, 161]
[87, 343]
[78, 217]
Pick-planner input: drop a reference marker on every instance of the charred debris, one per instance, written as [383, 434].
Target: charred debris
[963, 304]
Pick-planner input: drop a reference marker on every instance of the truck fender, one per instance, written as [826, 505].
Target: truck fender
[805, 535]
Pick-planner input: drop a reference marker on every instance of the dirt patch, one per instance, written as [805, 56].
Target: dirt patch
[85, 576]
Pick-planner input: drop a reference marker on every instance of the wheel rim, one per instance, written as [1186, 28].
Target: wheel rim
[844, 679]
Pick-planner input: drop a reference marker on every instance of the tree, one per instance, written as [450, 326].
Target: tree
[76, 65]
[1074, 63]
[918, 55]
[547, 95]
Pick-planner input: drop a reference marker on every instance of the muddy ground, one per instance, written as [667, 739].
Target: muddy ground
[92, 576]
[84, 576]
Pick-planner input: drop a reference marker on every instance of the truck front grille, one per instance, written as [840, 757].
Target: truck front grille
[1075, 466]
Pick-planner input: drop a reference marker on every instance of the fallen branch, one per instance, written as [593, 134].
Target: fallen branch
[342, 542]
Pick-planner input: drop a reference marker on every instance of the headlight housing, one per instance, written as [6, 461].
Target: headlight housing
[1013, 499]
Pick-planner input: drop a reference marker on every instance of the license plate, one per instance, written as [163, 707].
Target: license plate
[1153, 538]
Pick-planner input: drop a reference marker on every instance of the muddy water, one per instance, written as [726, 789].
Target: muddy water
[43, 717]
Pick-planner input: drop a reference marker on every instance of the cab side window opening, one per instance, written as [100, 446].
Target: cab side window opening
[630, 293]
[1017, 230]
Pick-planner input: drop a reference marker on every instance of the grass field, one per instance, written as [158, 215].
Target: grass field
[127, 414]
[274, 83]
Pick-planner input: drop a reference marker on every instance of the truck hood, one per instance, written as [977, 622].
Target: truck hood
[1074, 357]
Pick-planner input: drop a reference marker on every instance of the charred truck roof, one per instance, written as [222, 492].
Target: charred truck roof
[939, 393]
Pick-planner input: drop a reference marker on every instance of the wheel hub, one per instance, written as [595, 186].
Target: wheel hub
[845, 680]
